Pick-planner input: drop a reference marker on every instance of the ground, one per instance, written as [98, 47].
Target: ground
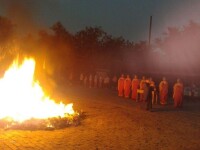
[113, 123]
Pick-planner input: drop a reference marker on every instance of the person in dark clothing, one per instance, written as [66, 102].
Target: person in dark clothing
[149, 97]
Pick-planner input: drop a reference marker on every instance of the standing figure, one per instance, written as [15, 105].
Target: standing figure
[142, 86]
[134, 87]
[81, 78]
[149, 97]
[100, 81]
[154, 92]
[85, 81]
[121, 85]
[193, 88]
[95, 81]
[90, 81]
[146, 90]
[178, 94]
[114, 82]
[127, 87]
[106, 81]
[163, 91]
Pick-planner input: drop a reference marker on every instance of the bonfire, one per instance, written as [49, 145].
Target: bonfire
[24, 105]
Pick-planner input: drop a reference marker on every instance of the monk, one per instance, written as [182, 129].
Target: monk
[178, 94]
[127, 87]
[142, 86]
[121, 85]
[163, 91]
[134, 87]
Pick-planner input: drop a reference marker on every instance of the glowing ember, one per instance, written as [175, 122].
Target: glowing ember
[22, 98]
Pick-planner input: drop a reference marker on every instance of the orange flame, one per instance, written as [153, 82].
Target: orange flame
[22, 98]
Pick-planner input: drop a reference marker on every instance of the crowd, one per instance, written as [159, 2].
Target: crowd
[98, 81]
[139, 90]
[145, 90]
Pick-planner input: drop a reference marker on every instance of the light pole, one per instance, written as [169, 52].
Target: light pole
[150, 25]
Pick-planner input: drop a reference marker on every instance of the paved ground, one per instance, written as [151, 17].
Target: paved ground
[113, 123]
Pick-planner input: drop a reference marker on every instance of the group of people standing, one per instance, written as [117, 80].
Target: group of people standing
[139, 90]
[98, 81]
[145, 90]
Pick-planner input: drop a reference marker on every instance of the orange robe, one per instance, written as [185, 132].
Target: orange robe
[120, 86]
[178, 94]
[127, 87]
[163, 92]
[142, 86]
[135, 85]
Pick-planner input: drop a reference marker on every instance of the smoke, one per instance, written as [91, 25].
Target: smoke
[23, 14]
[174, 14]
[20, 12]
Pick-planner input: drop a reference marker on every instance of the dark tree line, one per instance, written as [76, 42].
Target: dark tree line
[91, 48]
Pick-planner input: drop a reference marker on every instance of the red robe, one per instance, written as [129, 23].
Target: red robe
[135, 85]
[163, 92]
[178, 94]
[127, 87]
[120, 86]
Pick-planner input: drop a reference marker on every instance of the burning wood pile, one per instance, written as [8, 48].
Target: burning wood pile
[42, 124]
[23, 104]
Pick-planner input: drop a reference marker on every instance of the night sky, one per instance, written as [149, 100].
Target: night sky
[127, 18]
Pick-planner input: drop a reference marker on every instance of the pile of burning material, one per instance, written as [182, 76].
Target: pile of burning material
[23, 104]
[42, 124]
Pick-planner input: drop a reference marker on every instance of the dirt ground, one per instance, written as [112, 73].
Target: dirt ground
[117, 123]
[114, 123]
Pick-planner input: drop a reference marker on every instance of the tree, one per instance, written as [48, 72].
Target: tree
[61, 34]
[7, 44]
[6, 30]
[88, 45]
[181, 48]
